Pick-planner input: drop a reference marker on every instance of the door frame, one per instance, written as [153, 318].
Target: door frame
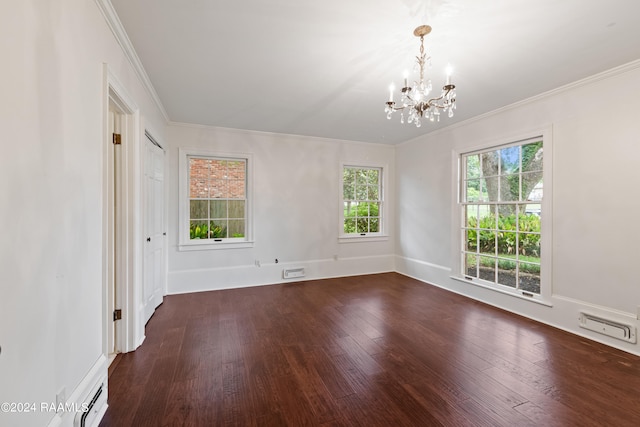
[129, 331]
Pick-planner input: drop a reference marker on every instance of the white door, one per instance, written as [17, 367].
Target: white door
[154, 269]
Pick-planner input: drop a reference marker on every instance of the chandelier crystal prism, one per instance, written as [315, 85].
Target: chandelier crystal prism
[414, 100]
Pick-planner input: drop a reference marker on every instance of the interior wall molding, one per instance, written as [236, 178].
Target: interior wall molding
[114, 23]
[607, 74]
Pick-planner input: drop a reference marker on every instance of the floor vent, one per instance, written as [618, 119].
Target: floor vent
[90, 408]
[292, 273]
[608, 327]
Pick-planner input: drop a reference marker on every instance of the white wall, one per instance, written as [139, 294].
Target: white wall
[51, 197]
[295, 208]
[596, 146]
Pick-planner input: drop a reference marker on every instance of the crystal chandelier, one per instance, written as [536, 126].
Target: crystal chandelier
[415, 99]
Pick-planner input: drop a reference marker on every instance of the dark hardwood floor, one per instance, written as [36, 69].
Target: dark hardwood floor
[378, 350]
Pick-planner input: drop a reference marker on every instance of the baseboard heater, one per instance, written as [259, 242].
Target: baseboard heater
[292, 273]
[608, 327]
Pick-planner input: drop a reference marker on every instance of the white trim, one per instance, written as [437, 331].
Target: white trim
[184, 242]
[607, 74]
[425, 263]
[264, 274]
[546, 285]
[129, 330]
[371, 237]
[97, 375]
[237, 131]
[383, 234]
[116, 27]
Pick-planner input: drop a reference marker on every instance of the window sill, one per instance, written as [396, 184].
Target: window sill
[358, 239]
[538, 299]
[214, 246]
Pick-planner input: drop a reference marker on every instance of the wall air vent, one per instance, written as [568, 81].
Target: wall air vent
[608, 327]
[292, 273]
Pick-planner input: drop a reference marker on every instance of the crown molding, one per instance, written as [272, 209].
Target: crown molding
[114, 23]
[607, 74]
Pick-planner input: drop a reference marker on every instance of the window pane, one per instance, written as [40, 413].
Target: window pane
[374, 209]
[471, 216]
[510, 188]
[506, 243]
[470, 265]
[472, 191]
[487, 268]
[218, 229]
[236, 189]
[218, 189]
[507, 273]
[471, 240]
[198, 178]
[472, 166]
[349, 191]
[529, 244]
[532, 157]
[236, 209]
[361, 192]
[350, 225]
[532, 186]
[236, 228]
[198, 230]
[489, 189]
[487, 217]
[218, 208]
[349, 176]
[236, 170]
[374, 224]
[533, 209]
[373, 193]
[487, 241]
[198, 209]
[373, 176]
[362, 225]
[509, 160]
[529, 279]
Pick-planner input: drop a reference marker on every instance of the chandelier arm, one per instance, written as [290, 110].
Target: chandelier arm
[432, 102]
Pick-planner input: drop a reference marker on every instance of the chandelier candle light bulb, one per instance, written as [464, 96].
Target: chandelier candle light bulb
[415, 99]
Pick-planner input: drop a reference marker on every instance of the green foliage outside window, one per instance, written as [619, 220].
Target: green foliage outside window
[528, 231]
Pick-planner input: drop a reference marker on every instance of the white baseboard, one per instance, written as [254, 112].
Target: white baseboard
[563, 314]
[98, 374]
[210, 279]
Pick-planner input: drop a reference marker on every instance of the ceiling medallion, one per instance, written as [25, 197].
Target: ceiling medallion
[415, 99]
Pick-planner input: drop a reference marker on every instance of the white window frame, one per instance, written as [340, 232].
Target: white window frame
[382, 213]
[185, 243]
[458, 237]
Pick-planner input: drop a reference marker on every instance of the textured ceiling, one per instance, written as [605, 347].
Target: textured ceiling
[323, 68]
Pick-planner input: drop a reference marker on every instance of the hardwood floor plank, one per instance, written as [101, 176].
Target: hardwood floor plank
[375, 350]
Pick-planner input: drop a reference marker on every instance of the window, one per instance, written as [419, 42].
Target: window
[362, 212]
[501, 216]
[215, 192]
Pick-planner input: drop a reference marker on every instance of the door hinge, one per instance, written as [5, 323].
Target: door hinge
[117, 140]
[117, 314]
